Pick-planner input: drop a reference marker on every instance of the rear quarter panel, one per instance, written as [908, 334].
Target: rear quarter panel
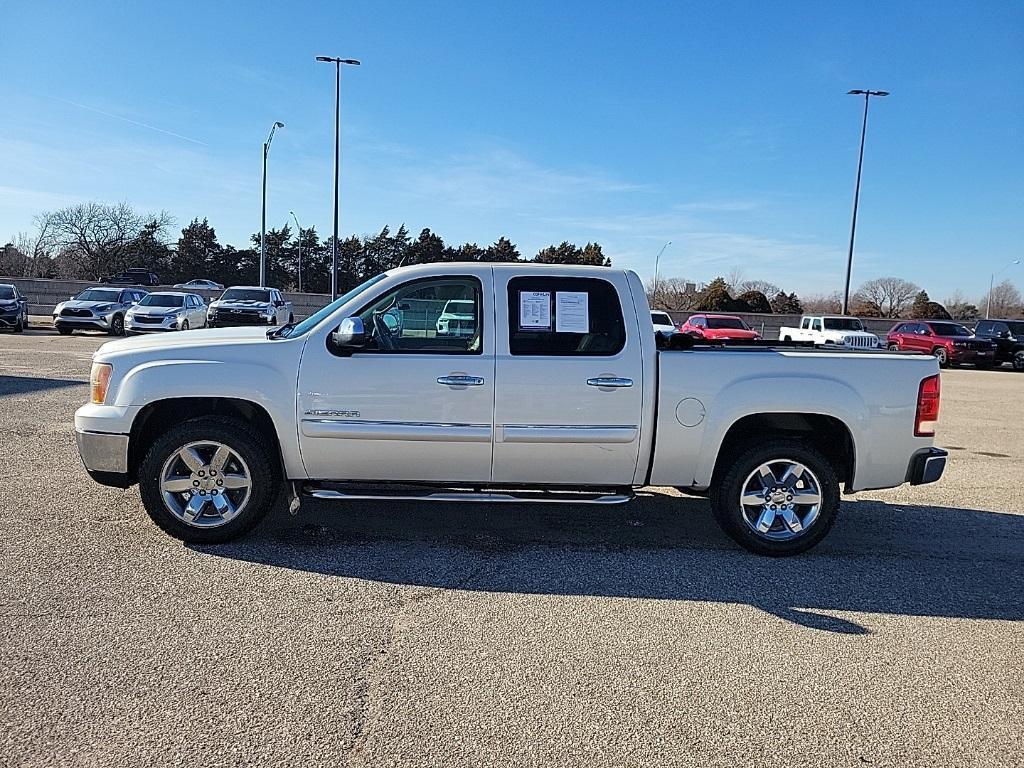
[874, 395]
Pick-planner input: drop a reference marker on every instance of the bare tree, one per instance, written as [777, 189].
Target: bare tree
[672, 293]
[823, 303]
[1005, 301]
[885, 297]
[761, 286]
[959, 307]
[93, 239]
[735, 279]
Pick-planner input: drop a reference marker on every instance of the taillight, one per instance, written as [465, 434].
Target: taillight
[927, 407]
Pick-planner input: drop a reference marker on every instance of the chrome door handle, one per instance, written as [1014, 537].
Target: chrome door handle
[461, 381]
[609, 381]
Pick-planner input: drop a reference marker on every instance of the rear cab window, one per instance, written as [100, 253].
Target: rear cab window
[564, 317]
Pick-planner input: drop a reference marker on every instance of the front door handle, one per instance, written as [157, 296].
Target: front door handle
[461, 381]
[609, 381]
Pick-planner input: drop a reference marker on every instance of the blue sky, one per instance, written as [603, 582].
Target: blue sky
[723, 127]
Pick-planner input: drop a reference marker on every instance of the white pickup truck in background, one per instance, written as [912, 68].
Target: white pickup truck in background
[554, 390]
[832, 330]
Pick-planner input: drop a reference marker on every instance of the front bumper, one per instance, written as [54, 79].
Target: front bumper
[926, 466]
[101, 322]
[971, 355]
[166, 324]
[105, 456]
[9, 320]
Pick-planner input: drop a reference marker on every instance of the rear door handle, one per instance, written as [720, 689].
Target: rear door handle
[461, 381]
[609, 381]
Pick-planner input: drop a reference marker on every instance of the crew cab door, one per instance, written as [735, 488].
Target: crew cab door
[568, 388]
[416, 404]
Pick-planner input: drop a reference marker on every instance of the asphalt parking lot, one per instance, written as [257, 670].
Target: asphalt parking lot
[400, 634]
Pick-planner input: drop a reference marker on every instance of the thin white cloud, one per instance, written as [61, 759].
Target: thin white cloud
[133, 122]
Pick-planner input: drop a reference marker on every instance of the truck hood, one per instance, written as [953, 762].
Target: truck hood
[246, 304]
[198, 339]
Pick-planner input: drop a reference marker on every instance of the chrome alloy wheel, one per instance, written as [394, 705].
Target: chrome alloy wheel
[205, 484]
[781, 499]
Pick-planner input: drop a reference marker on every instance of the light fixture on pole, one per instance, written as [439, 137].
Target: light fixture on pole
[991, 285]
[299, 243]
[263, 221]
[856, 192]
[337, 155]
[657, 261]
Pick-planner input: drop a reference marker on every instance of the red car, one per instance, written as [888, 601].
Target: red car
[718, 327]
[951, 343]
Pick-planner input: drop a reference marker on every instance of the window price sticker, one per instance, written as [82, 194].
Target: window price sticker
[535, 310]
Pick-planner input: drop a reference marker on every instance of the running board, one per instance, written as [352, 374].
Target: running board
[479, 497]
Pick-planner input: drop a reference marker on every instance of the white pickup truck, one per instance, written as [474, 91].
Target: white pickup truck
[832, 330]
[561, 394]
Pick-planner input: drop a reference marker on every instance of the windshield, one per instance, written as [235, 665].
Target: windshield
[949, 329]
[313, 320]
[660, 318]
[843, 324]
[162, 300]
[6, 292]
[98, 294]
[727, 322]
[245, 294]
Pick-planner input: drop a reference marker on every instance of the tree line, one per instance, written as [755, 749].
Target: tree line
[884, 297]
[89, 241]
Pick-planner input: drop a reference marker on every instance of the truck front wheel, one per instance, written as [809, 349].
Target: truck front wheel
[779, 497]
[209, 480]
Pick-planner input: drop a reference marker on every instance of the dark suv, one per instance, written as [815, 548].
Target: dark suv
[1008, 336]
[133, 276]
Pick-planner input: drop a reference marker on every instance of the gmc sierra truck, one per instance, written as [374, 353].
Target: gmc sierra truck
[560, 394]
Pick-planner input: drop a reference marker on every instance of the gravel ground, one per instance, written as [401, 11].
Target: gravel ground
[396, 634]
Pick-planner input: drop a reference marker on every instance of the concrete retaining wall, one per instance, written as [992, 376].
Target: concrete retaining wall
[44, 295]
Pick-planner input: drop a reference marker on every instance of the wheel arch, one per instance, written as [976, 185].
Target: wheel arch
[825, 433]
[157, 416]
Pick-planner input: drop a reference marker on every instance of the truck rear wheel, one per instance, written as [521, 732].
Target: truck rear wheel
[777, 498]
[209, 480]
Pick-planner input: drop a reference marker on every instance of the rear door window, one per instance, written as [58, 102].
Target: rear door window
[564, 316]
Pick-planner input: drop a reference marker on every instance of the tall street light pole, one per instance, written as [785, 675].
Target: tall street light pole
[991, 285]
[657, 261]
[263, 222]
[856, 192]
[299, 241]
[337, 143]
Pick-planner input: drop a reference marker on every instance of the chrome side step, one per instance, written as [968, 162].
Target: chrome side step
[479, 497]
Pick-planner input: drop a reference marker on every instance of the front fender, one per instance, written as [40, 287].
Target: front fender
[269, 387]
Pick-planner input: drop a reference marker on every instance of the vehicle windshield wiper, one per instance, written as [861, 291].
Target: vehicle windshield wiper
[277, 333]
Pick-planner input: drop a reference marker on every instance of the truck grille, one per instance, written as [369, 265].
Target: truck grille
[239, 317]
[72, 312]
[862, 342]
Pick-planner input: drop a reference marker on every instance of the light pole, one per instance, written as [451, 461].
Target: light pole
[337, 142]
[856, 192]
[991, 285]
[657, 260]
[299, 241]
[263, 222]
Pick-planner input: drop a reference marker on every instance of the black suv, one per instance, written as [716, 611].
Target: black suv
[133, 276]
[1008, 336]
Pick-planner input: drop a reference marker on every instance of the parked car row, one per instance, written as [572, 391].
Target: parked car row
[120, 311]
[991, 343]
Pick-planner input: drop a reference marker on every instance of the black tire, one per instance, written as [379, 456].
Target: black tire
[940, 354]
[64, 331]
[264, 470]
[788, 338]
[117, 326]
[727, 488]
[894, 347]
[184, 325]
[1018, 360]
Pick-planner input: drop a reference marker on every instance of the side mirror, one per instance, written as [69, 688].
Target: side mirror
[350, 336]
[1004, 334]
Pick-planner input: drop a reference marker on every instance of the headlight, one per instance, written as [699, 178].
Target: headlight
[99, 380]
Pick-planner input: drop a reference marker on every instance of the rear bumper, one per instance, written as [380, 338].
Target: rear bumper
[926, 466]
